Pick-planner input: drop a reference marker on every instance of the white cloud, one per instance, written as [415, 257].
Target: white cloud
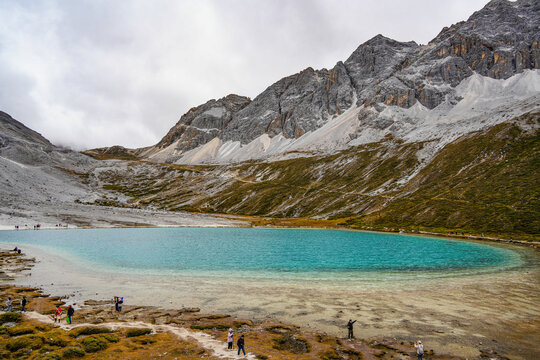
[98, 73]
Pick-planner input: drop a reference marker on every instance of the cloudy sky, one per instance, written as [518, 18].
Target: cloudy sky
[98, 73]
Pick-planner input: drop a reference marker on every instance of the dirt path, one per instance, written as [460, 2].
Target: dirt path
[218, 348]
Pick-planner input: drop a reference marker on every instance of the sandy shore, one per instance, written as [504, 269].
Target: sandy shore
[146, 332]
[462, 315]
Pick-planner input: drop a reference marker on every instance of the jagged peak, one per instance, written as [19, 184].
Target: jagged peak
[497, 3]
[231, 99]
[235, 98]
[379, 40]
[382, 45]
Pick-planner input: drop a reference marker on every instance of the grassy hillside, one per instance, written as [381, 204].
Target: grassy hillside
[488, 182]
[484, 182]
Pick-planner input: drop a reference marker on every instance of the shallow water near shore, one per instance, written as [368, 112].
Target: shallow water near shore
[492, 297]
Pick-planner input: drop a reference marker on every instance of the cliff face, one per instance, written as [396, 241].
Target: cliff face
[497, 42]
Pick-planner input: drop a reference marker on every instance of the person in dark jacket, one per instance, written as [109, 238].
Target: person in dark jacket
[23, 303]
[70, 313]
[118, 301]
[240, 344]
[350, 325]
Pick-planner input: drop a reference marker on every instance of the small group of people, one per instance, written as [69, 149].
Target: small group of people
[9, 304]
[17, 250]
[58, 314]
[418, 345]
[239, 343]
[462, 233]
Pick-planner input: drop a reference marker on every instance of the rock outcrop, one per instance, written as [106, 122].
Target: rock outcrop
[202, 123]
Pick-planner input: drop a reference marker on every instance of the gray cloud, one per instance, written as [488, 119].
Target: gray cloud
[98, 73]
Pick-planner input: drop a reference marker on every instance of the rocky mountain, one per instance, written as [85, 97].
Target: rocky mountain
[33, 173]
[485, 65]
[13, 130]
[24, 148]
[41, 183]
[438, 137]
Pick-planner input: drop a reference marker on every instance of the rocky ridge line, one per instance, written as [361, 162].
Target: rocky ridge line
[499, 41]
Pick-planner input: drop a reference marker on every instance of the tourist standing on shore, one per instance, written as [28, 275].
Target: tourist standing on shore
[57, 314]
[350, 325]
[8, 304]
[118, 301]
[240, 344]
[70, 313]
[230, 339]
[23, 303]
[419, 349]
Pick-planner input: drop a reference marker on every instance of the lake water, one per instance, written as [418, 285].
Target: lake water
[264, 253]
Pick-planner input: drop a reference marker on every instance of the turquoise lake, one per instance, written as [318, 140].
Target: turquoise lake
[258, 251]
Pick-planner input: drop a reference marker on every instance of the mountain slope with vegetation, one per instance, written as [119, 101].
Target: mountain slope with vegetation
[485, 182]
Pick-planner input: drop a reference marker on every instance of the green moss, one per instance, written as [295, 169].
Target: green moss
[144, 340]
[329, 355]
[138, 332]
[90, 330]
[110, 338]
[24, 342]
[56, 340]
[10, 317]
[73, 352]
[50, 357]
[93, 344]
[238, 324]
[19, 330]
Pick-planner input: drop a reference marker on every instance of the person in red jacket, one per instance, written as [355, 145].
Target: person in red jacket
[57, 314]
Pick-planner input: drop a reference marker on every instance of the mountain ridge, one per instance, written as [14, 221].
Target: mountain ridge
[499, 41]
